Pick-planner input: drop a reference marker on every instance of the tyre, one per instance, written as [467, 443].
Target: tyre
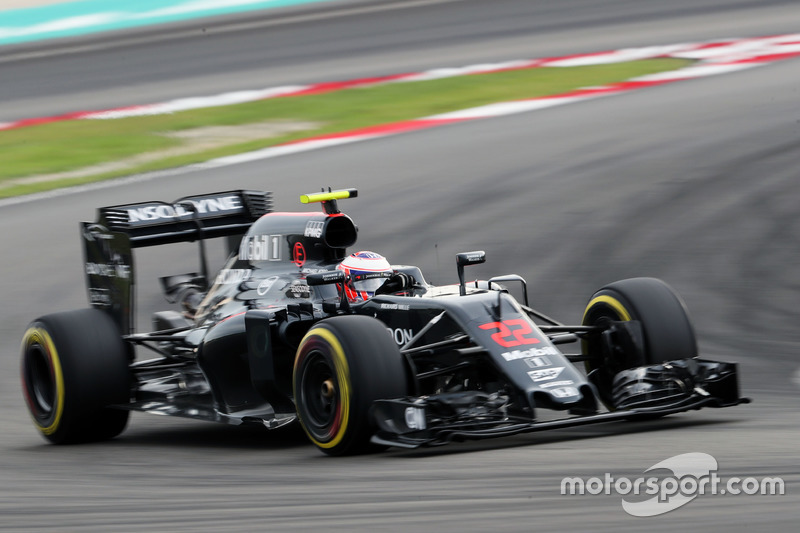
[74, 366]
[665, 332]
[343, 364]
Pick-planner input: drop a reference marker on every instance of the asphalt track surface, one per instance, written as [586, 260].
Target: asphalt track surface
[694, 182]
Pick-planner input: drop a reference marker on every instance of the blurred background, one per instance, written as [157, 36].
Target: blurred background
[694, 182]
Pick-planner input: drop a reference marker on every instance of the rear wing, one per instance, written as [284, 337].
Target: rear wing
[187, 219]
[108, 243]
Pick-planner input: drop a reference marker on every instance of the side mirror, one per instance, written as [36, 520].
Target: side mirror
[325, 278]
[471, 258]
[465, 259]
[329, 278]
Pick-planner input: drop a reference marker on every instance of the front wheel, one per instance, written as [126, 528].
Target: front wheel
[654, 328]
[342, 366]
[74, 366]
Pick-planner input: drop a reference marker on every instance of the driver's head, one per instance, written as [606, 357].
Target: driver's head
[365, 271]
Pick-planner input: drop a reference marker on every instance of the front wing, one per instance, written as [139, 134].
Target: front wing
[640, 393]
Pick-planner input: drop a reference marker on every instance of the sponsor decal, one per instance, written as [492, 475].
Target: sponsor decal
[232, 275]
[538, 361]
[564, 392]
[121, 271]
[557, 384]
[298, 290]
[361, 276]
[401, 336]
[314, 270]
[260, 248]
[99, 297]
[313, 229]
[546, 374]
[299, 254]
[336, 275]
[204, 206]
[265, 285]
[395, 307]
[415, 418]
[531, 352]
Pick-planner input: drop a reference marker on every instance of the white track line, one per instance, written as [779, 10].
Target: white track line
[718, 57]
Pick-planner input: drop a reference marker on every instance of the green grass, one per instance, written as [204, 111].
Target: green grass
[72, 145]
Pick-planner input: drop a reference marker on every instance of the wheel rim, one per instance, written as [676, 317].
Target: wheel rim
[319, 393]
[602, 311]
[40, 382]
[594, 346]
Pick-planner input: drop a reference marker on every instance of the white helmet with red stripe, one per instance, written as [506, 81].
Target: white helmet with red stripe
[365, 271]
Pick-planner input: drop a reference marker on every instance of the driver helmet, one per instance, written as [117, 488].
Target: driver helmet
[365, 271]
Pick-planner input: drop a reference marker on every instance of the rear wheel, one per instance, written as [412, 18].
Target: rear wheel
[662, 331]
[343, 364]
[74, 366]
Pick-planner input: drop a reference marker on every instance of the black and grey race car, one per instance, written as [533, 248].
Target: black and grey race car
[271, 340]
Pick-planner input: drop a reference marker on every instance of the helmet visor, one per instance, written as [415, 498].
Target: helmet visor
[369, 281]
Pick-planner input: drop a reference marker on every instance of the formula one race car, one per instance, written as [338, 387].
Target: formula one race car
[363, 359]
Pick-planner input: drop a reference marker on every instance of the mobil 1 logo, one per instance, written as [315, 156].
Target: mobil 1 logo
[261, 248]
